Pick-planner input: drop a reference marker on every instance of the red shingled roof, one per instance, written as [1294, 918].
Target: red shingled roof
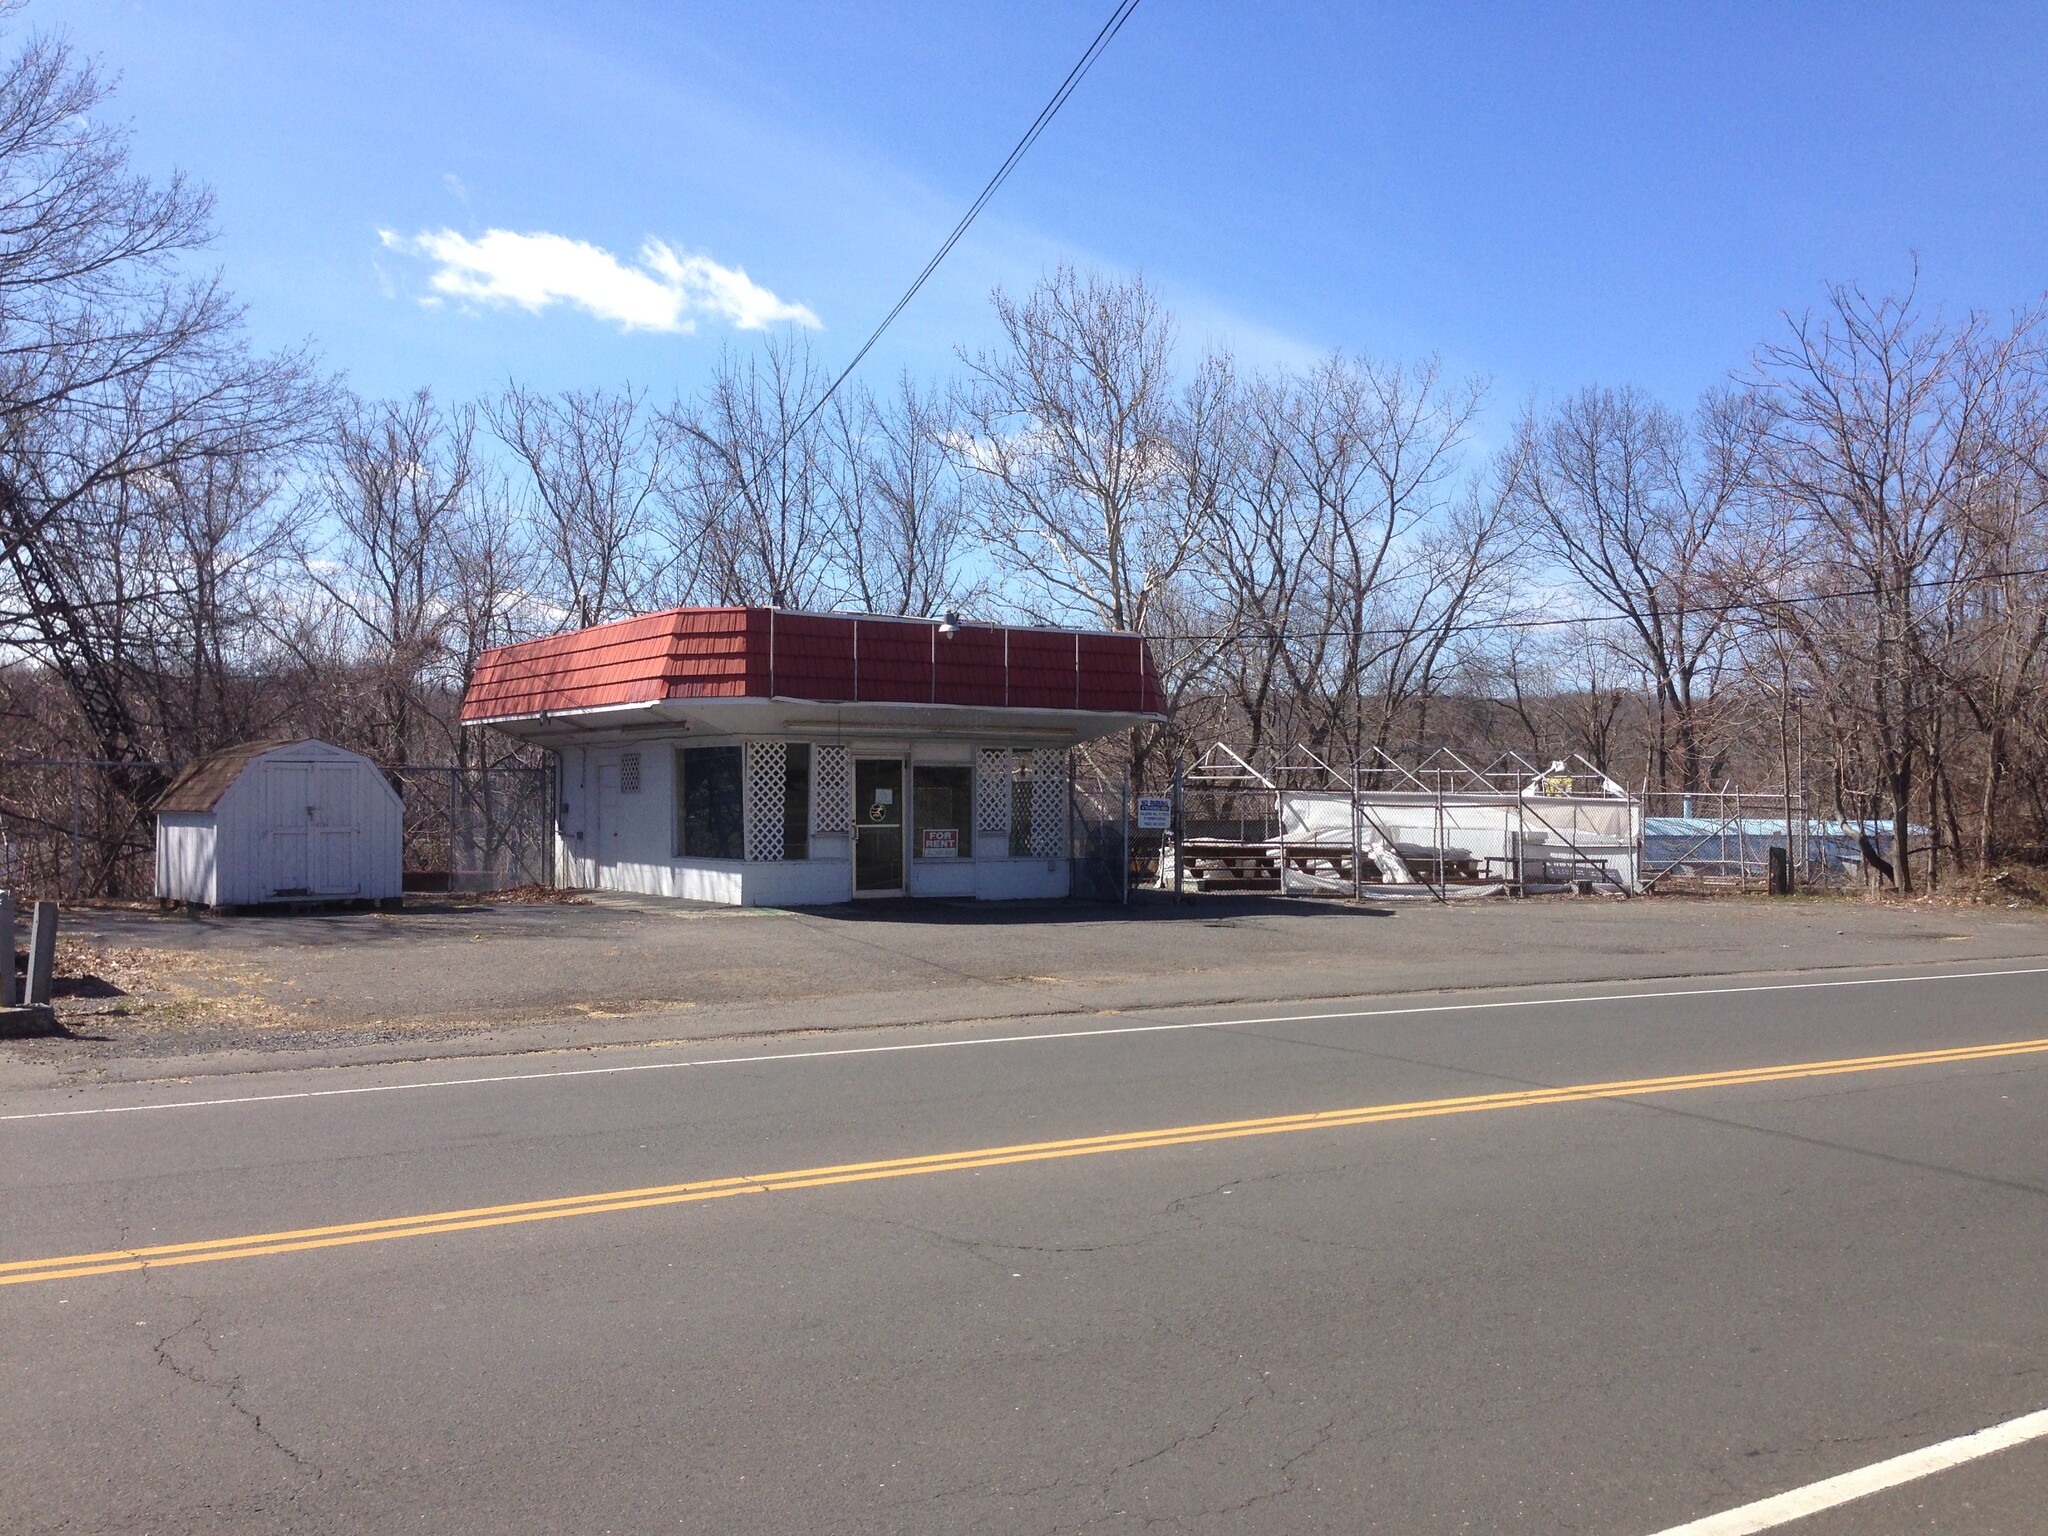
[696, 653]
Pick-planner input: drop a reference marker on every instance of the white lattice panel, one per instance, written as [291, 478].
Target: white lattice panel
[831, 789]
[992, 793]
[629, 773]
[767, 776]
[1048, 805]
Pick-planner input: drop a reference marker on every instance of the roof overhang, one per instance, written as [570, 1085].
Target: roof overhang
[811, 719]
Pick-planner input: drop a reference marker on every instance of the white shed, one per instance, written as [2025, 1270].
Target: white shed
[280, 821]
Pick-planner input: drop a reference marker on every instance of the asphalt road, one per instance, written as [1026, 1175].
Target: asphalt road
[1416, 1266]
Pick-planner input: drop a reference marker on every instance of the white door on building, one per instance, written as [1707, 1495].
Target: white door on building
[287, 828]
[606, 850]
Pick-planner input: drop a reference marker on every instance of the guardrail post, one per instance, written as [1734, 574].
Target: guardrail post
[42, 952]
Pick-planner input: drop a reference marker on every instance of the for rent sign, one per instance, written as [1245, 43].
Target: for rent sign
[941, 842]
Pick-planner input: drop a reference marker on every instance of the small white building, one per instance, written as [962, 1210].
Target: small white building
[761, 757]
[280, 821]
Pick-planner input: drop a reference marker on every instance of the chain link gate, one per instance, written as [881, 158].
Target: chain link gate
[477, 828]
[1099, 827]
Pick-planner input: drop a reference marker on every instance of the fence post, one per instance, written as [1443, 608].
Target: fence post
[1357, 838]
[10, 982]
[1124, 821]
[551, 788]
[42, 952]
[77, 775]
[1179, 831]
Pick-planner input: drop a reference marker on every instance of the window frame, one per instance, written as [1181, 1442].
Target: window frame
[733, 757]
[963, 809]
[796, 802]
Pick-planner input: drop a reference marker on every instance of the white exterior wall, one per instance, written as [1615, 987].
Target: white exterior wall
[186, 869]
[636, 853]
[1021, 879]
[231, 841]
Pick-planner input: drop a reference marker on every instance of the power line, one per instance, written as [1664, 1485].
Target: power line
[1039, 124]
[1745, 605]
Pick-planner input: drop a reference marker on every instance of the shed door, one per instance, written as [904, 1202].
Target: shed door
[309, 831]
[333, 813]
[287, 822]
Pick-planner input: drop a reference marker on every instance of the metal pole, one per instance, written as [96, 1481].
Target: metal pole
[1521, 843]
[551, 786]
[77, 773]
[1280, 826]
[1785, 765]
[1357, 838]
[1179, 833]
[1805, 806]
[1443, 889]
[1124, 821]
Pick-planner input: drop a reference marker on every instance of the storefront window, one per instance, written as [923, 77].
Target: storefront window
[796, 802]
[943, 813]
[710, 803]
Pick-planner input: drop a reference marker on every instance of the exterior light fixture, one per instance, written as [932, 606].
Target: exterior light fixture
[950, 624]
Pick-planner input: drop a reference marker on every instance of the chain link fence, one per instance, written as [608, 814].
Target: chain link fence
[81, 828]
[1728, 840]
[477, 829]
[1099, 826]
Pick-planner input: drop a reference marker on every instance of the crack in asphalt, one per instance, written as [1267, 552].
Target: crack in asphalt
[229, 1387]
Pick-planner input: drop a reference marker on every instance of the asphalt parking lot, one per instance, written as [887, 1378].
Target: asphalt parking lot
[157, 993]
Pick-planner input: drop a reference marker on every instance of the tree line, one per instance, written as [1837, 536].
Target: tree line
[1831, 571]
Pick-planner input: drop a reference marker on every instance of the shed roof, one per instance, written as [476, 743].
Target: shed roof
[764, 653]
[199, 788]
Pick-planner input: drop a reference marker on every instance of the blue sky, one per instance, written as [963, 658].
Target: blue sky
[1546, 195]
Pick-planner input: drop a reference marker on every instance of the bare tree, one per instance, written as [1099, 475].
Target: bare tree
[1638, 509]
[117, 370]
[754, 479]
[1995, 658]
[396, 496]
[1882, 424]
[1070, 458]
[901, 528]
[595, 466]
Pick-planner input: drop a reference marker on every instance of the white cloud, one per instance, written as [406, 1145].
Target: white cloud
[662, 291]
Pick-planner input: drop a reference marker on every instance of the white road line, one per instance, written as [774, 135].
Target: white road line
[1768, 1514]
[947, 1045]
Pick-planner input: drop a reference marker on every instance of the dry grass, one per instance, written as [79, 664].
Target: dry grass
[537, 896]
[159, 988]
[2016, 887]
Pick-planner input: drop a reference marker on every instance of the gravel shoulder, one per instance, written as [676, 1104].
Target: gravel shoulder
[148, 994]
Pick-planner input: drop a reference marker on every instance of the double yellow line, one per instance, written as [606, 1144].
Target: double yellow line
[304, 1239]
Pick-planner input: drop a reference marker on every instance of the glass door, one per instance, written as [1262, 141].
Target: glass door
[878, 819]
